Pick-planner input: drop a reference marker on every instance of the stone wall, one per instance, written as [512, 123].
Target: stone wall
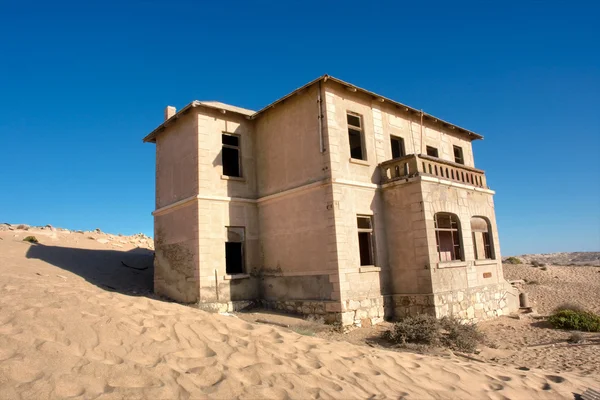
[477, 303]
[366, 312]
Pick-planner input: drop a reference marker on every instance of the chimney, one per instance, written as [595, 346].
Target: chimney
[169, 112]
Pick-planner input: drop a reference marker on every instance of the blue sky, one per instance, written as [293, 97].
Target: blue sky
[82, 82]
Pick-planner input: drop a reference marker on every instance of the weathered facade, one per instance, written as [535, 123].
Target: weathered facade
[331, 201]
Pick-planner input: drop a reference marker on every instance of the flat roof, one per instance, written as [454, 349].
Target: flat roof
[250, 114]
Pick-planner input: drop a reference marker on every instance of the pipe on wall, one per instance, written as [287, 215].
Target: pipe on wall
[320, 118]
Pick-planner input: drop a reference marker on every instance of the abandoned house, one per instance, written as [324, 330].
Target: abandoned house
[333, 201]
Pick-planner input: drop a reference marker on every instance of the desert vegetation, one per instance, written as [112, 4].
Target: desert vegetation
[425, 329]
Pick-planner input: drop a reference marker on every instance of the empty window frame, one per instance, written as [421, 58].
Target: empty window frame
[231, 153]
[234, 250]
[356, 136]
[397, 144]
[458, 155]
[432, 151]
[448, 237]
[482, 239]
[366, 239]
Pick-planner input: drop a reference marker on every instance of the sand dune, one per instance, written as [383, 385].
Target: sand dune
[76, 323]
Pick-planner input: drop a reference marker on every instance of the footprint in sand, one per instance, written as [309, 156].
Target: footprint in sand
[555, 378]
[495, 386]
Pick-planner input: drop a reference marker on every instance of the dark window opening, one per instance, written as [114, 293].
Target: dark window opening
[482, 240]
[432, 151]
[397, 147]
[234, 251]
[458, 155]
[366, 243]
[447, 233]
[355, 136]
[231, 155]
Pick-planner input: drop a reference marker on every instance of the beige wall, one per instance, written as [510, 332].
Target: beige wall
[287, 139]
[295, 232]
[465, 204]
[177, 161]
[215, 217]
[358, 282]
[380, 121]
[407, 239]
[211, 125]
[176, 259]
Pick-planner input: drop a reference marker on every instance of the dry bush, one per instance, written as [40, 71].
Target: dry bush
[576, 337]
[303, 331]
[459, 336]
[426, 329]
[31, 239]
[512, 260]
[420, 329]
[535, 263]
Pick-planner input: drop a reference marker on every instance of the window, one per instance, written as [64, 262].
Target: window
[458, 155]
[234, 250]
[366, 243]
[397, 146]
[482, 240]
[355, 136]
[231, 155]
[432, 151]
[447, 234]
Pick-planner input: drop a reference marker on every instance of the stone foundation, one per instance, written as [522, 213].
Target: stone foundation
[478, 303]
[230, 306]
[470, 305]
[402, 305]
[364, 312]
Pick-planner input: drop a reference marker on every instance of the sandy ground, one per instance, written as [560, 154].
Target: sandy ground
[78, 320]
[557, 285]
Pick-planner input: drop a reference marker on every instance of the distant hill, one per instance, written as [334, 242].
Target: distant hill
[590, 258]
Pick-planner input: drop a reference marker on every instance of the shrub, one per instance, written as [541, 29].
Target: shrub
[535, 263]
[31, 239]
[426, 329]
[577, 320]
[543, 267]
[461, 337]
[512, 260]
[420, 328]
[533, 282]
[575, 337]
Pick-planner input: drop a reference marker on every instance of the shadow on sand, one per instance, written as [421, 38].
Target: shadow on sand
[128, 272]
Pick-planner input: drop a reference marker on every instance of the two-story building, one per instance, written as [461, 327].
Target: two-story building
[332, 201]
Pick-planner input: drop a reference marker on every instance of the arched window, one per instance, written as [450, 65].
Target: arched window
[482, 238]
[447, 234]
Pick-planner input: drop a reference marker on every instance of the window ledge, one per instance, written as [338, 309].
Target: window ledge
[359, 162]
[233, 178]
[369, 268]
[486, 262]
[451, 264]
[236, 276]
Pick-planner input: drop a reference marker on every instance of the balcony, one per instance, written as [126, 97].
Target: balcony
[423, 165]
